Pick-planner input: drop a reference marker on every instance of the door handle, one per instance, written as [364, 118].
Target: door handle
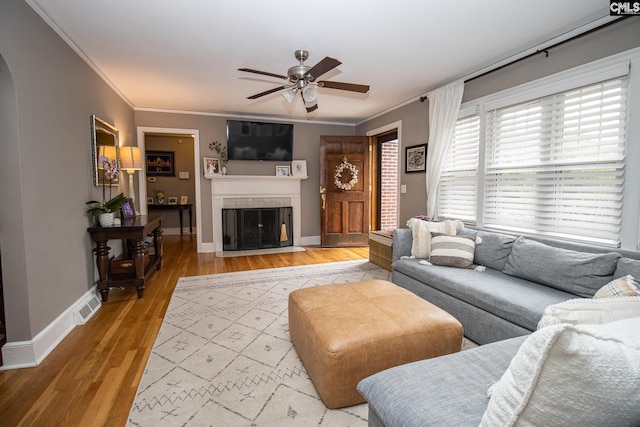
[323, 196]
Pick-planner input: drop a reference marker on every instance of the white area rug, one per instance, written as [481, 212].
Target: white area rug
[223, 356]
[228, 254]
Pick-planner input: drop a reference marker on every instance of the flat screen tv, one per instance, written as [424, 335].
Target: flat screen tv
[259, 141]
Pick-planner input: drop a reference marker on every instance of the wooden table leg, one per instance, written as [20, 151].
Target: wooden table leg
[102, 262]
[138, 262]
[157, 242]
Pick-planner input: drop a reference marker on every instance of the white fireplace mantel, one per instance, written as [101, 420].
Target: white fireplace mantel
[232, 191]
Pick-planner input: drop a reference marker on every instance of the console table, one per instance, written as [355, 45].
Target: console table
[179, 208]
[134, 229]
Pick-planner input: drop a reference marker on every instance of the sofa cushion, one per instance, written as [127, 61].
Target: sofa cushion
[571, 375]
[582, 311]
[421, 245]
[580, 273]
[516, 300]
[439, 391]
[452, 251]
[627, 266]
[494, 250]
[622, 286]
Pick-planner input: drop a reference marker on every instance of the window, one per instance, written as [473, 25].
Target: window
[547, 158]
[556, 165]
[457, 189]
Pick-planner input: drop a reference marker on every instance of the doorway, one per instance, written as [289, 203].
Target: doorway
[385, 165]
[194, 138]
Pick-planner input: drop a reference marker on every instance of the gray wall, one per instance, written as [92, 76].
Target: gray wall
[621, 36]
[47, 95]
[306, 146]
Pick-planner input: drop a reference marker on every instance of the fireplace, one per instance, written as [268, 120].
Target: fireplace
[255, 192]
[256, 228]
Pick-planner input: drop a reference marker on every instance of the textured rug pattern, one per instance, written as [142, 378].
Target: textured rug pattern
[223, 356]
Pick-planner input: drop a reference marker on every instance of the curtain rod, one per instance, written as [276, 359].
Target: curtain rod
[539, 51]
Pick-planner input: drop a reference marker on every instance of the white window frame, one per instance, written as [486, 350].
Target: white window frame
[614, 66]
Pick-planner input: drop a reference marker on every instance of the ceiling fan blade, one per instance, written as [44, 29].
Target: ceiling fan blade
[267, 92]
[327, 64]
[313, 108]
[344, 86]
[264, 73]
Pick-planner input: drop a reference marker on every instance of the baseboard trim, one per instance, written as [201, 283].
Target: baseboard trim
[309, 240]
[28, 354]
[175, 231]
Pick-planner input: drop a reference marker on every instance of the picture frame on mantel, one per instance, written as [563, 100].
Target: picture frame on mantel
[299, 168]
[211, 166]
[282, 170]
[416, 158]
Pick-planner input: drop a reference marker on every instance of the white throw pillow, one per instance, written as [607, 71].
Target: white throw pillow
[572, 375]
[421, 244]
[581, 311]
[622, 286]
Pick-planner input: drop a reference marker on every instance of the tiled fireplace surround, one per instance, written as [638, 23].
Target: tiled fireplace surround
[249, 191]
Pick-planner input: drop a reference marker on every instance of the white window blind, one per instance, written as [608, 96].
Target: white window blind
[457, 190]
[555, 165]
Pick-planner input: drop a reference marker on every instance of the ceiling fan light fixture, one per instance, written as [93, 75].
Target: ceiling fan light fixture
[290, 94]
[310, 95]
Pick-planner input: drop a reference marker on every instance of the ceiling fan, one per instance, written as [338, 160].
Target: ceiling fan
[302, 78]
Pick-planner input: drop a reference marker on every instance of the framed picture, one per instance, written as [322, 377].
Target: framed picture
[128, 210]
[416, 158]
[160, 163]
[172, 200]
[211, 166]
[299, 168]
[283, 170]
[149, 200]
[184, 200]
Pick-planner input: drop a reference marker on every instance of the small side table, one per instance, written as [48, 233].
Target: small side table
[134, 229]
[179, 208]
[380, 248]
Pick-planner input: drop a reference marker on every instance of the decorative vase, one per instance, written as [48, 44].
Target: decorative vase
[106, 219]
[224, 170]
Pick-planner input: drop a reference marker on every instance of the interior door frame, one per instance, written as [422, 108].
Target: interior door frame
[375, 175]
[142, 177]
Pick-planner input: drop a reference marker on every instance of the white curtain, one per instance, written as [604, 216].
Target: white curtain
[444, 106]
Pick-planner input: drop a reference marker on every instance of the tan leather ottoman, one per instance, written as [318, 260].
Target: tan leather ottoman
[347, 332]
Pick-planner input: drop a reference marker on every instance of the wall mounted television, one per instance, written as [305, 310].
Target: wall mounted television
[259, 141]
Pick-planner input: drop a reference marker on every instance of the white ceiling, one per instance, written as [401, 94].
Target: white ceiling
[184, 55]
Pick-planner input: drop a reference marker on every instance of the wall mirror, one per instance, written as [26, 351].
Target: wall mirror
[104, 142]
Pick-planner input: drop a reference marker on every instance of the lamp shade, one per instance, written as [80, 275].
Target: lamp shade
[107, 151]
[130, 158]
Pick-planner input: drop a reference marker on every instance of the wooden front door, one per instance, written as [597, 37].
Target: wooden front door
[345, 203]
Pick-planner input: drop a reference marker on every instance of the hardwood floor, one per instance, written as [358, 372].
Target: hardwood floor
[91, 378]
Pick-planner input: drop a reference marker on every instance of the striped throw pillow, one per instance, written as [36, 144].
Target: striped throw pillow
[623, 286]
[452, 251]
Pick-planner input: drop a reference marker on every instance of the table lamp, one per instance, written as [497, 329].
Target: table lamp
[131, 161]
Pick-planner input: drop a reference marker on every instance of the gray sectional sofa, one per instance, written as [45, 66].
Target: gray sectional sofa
[498, 307]
[523, 276]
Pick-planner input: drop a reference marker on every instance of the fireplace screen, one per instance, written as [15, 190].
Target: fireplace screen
[257, 228]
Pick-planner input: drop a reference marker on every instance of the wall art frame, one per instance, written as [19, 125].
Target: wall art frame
[160, 163]
[415, 159]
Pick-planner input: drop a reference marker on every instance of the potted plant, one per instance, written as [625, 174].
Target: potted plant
[107, 209]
